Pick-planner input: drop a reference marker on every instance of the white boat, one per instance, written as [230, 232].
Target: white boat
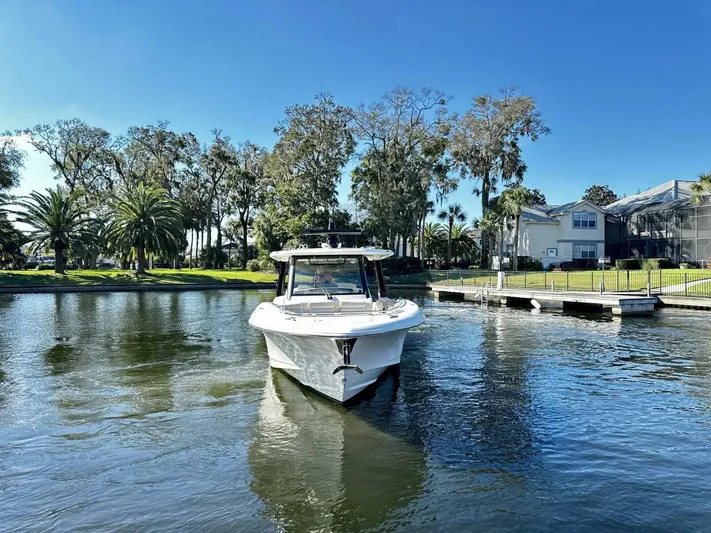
[325, 328]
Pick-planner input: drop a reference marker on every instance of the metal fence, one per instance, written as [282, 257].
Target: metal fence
[683, 282]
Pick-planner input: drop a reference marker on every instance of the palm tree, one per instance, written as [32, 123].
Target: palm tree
[463, 241]
[453, 213]
[701, 188]
[490, 224]
[512, 202]
[147, 221]
[58, 221]
[432, 234]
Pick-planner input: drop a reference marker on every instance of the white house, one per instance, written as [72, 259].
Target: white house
[555, 234]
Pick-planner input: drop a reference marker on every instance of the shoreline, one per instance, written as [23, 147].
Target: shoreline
[157, 287]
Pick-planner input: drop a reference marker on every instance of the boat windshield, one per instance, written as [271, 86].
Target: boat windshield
[327, 275]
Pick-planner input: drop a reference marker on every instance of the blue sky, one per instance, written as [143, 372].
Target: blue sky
[624, 85]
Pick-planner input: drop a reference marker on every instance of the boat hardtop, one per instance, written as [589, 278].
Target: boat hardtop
[372, 254]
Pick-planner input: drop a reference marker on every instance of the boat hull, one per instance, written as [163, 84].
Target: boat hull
[317, 361]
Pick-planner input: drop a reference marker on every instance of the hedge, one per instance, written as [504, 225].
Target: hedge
[628, 264]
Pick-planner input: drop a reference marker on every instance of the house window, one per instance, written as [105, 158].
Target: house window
[552, 252]
[584, 219]
[509, 250]
[584, 251]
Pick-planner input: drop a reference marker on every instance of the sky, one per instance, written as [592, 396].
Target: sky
[625, 86]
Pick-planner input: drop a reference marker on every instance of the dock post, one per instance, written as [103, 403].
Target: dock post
[686, 286]
[500, 280]
[617, 283]
[649, 289]
[592, 281]
[524, 279]
[628, 281]
[602, 287]
[567, 281]
[553, 286]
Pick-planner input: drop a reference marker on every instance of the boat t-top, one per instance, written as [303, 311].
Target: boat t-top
[324, 327]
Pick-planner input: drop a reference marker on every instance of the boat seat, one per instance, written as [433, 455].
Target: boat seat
[354, 307]
[321, 307]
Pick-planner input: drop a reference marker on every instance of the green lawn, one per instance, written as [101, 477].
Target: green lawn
[126, 277]
[671, 281]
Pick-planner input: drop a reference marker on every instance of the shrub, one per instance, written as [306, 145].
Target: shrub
[266, 263]
[529, 263]
[44, 266]
[253, 265]
[31, 265]
[655, 263]
[628, 264]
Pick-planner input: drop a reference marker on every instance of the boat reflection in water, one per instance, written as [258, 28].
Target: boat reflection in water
[319, 466]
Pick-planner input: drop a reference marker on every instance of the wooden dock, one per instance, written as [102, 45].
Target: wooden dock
[620, 304]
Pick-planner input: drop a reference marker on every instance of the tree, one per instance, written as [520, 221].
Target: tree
[537, 197]
[404, 135]
[77, 152]
[245, 187]
[12, 160]
[315, 144]
[216, 162]
[463, 243]
[432, 239]
[512, 201]
[58, 220]
[485, 142]
[452, 214]
[600, 195]
[701, 188]
[491, 223]
[146, 221]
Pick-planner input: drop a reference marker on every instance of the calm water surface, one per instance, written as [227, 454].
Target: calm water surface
[157, 412]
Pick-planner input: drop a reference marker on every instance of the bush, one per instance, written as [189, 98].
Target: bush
[31, 265]
[628, 264]
[44, 266]
[267, 263]
[529, 263]
[655, 263]
[253, 265]
[579, 264]
[402, 265]
[213, 258]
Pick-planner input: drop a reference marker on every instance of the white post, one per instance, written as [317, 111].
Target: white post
[500, 280]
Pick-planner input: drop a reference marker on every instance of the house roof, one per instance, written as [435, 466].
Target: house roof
[669, 195]
[549, 213]
[536, 216]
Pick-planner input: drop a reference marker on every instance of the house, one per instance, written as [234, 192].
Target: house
[557, 234]
[660, 222]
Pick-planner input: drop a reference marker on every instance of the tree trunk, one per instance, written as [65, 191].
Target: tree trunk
[515, 257]
[449, 243]
[501, 245]
[397, 245]
[141, 256]
[244, 243]
[190, 253]
[208, 223]
[218, 246]
[485, 244]
[59, 258]
[202, 243]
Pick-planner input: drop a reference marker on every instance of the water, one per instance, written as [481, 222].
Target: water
[157, 412]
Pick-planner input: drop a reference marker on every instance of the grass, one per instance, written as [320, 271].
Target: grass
[671, 281]
[47, 278]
